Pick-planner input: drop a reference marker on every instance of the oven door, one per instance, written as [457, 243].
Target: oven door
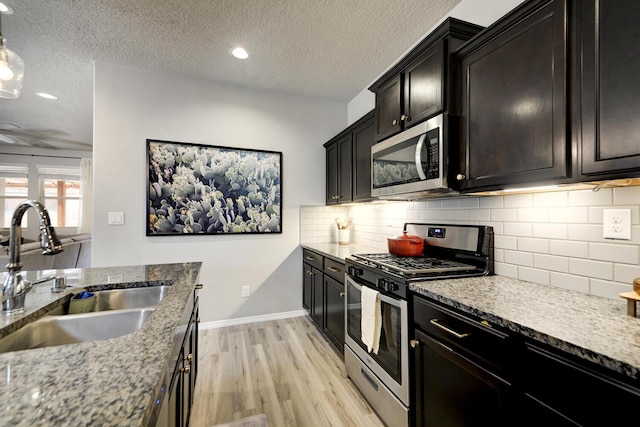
[391, 364]
[410, 161]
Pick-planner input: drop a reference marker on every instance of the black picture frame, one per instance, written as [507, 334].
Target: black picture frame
[195, 189]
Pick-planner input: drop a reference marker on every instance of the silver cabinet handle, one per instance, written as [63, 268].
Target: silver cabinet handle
[414, 343]
[341, 294]
[436, 322]
[335, 270]
[460, 177]
[310, 258]
[405, 118]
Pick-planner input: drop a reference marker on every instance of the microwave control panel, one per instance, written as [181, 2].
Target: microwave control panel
[433, 155]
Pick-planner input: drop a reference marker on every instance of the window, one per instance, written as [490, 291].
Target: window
[60, 188]
[14, 188]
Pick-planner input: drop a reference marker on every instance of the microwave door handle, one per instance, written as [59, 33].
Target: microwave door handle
[419, 147]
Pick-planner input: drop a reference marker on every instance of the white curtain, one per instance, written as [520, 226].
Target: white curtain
[86, 204]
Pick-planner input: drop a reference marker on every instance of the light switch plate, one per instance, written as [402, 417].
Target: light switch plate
[116, 218]
[616, 224]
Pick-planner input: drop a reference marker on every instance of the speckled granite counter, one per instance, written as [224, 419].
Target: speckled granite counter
[339, 252]
[103, 383]
[593, 328]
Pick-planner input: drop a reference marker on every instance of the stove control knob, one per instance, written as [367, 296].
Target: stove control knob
[390, 287]
[382, 284]
[355, 271]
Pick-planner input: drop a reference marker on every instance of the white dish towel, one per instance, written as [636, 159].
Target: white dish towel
[371, 318]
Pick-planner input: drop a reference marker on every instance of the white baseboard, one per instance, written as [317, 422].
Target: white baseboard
[252, 319]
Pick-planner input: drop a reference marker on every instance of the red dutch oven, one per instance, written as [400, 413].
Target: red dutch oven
[406, 245]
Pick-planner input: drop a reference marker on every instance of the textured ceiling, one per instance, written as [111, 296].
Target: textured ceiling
[328, 49]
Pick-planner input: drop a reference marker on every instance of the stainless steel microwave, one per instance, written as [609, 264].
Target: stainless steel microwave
[412, 163]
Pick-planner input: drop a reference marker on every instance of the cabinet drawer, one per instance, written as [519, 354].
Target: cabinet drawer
[334, 269]
[312, 258]
[475, 339]
[596, 399]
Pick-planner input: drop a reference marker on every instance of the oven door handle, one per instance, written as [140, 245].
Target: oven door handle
[383, 298]
[418, 157]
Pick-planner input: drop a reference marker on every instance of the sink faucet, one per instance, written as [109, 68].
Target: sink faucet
[15, 288]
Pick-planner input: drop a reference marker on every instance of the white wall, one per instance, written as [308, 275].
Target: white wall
[131, 105]
[553, 238]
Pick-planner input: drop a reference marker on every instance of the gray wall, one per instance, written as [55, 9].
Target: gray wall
[131, 105]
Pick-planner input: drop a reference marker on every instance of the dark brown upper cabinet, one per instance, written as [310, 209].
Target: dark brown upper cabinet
[610, 94]
[416, 88]
[348, 157]
[514, 100]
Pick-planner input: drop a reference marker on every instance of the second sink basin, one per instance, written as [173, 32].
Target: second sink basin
[119, 299]
[60, 330]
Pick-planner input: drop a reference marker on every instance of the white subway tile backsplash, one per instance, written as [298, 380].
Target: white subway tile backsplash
[480, 215]
[568, 281]
[504, 215]
[569, 248]
[590, 268]
[569, 215]
[505, 242]
[590, 197]
[550, 231]
[518, 229]
[626, 254]
[533, 215]
[491, 202]
[528, 244]
[626, 196]
[553, 237]
[551, 262]
[625, 273]
[533, 275]
[518, 201]
[611, 290]
[507, 270]
[550, 199]
[518, 258]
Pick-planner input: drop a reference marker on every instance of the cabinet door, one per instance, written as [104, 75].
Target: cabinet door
[363, 138]
[332, 174]
[424, 86]
[317, 301]
[610, 107]
[334, 311]
[388, 105]
[307, 287]
[513, 115]
[345, 154]
[453, 391]
[596, 399]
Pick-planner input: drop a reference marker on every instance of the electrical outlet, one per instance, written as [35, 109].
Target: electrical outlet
[616, 224]
[246, 290]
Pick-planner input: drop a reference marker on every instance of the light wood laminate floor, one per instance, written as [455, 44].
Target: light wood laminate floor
[284, 369]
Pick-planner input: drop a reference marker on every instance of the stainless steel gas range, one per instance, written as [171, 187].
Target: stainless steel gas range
[450, 251]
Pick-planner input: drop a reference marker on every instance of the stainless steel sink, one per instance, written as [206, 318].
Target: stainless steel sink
[120, 299]
[60, 330]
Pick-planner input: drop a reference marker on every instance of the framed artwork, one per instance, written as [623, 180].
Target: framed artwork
[203, 189]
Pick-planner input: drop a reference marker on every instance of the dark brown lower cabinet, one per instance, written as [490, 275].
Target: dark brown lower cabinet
[458, 382]
[323, 295]
[560, 391]
[334, 311]
[182, 386]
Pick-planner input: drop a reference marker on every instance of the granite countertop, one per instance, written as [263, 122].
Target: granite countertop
[340, 252]
[102, 383]
[593, 328]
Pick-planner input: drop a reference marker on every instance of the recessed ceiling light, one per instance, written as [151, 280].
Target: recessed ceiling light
[239, 53]
[46, 95]
[5, 9]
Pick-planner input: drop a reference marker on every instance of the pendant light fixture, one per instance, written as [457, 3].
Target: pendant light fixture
[11, 69]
